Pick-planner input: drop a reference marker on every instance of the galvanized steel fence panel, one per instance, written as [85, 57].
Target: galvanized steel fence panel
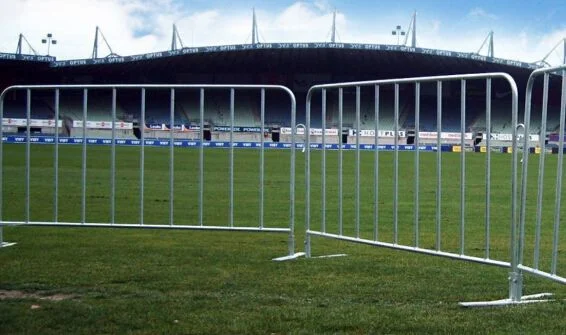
[387, 227]
[143, 90]
[541, 199]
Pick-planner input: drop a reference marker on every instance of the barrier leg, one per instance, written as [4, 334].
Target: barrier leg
[2, 243]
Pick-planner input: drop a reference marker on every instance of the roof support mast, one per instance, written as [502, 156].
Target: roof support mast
[21, 39]
[544, 62]
[95, 47]
[412, 30]
[489, 40]
[176, 38]
[333, 35]
[255, 37]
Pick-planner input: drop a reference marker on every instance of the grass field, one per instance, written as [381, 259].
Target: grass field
[96, 281]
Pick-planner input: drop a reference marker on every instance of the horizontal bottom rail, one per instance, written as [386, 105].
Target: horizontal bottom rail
[543, 274]
[412, 249]
[146, 226]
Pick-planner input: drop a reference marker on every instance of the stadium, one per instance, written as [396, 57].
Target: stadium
[408, 149]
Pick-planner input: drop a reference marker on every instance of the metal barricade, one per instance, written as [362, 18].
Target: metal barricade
[170, 142]
[440, 228]
[540, 218]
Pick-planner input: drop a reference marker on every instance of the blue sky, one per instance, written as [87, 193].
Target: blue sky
[524, 30]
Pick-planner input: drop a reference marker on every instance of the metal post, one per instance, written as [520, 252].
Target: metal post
[307, 178]
[376, 169]
[323, 165]
[28, 153]
[262, 159]
[558, 198]
[462, 165]
[291, 243]
[417, 161]
[113, 162]
[172, 158]
[358, 105]
[438, 164]
[232, 93]
[541, 168]
[142, 156]
[83, 188]
[396, 166]
[56, 161]
[515, 275]
[488, 169]
[201, 161]
[340, 161]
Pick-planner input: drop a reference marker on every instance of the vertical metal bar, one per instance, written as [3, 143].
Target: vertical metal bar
[358, 105]
[541, 165]
[396, 166]
[142, 156]
[558, 198]
[376, 169]
[340, 162]
[438, 164]
[292, 177]
[307, 176]
[417, 160]
[261, 160]
[488, 168]
[113, 162]
[172, 157]
[28, 153]
[56, 161]
[515, 277]
[462, 165]
[323, 164]
[1, 166]
[201, 162]
[83, 198]
[232, 93]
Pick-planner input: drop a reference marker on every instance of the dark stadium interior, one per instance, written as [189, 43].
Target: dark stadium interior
[297, 69]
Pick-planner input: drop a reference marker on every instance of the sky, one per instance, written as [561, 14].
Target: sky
[524, 30]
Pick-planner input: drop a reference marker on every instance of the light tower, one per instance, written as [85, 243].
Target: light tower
[398, 32]
[49, 40]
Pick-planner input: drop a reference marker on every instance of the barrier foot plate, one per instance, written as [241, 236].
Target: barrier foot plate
[527, 299]
[7, 244]
[289, 257]
[330, 256]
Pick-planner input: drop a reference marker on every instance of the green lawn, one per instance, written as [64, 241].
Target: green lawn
[169, 281]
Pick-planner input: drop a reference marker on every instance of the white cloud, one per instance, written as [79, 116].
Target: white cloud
[481, 13]
[142, 26]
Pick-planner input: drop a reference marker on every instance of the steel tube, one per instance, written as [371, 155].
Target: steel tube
[262, 159]
[541, 166]
[28, 152]
[201, 161]
[438, 164]
[232, 98]
[340, 162]
[83, 198]
[171, 157]
[56, 161]
[557, 203]
[358, 129]
[323, 164]
[376, 169]
[113, 162]
[462, 166]
[417, 162]
[396, 165]
[488, 168]
[142, 156]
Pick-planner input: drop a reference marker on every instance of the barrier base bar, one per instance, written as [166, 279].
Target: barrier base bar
[527, 299]
[288, 257]
[7, 244]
